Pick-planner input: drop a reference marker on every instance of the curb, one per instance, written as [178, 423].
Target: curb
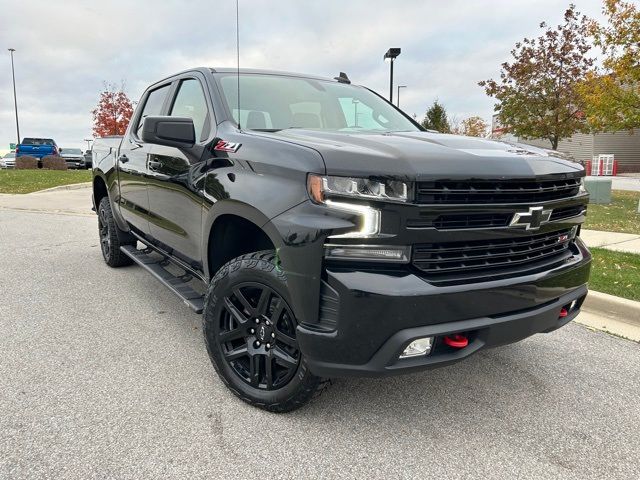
[71, 186]
[627, 311]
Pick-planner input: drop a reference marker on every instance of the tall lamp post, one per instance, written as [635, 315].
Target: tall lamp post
[399, 87]
[391, 55]
[355, 111]
[88, 140]
[15, 101]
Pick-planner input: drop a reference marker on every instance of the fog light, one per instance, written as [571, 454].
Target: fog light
[421, 346]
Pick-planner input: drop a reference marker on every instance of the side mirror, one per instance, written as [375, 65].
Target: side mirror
[176, 132]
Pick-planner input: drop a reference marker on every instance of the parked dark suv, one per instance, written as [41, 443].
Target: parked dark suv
[323, 233]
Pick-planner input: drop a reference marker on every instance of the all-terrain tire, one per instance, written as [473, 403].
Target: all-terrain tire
[258, 269]
[111, 237]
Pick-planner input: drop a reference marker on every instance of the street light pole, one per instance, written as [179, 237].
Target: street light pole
[15, 100]
[355, 112]
[391, 55]
[399, 87]
[391, 82]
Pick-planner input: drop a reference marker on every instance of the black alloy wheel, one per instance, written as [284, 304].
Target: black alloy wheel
[256, 332]
[249, 328]
[103, 231]
[111, 237]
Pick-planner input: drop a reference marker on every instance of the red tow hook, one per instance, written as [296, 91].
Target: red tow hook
[563, 312]
[456, 341]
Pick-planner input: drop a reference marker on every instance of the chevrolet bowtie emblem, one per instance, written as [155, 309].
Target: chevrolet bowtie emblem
[531, 220]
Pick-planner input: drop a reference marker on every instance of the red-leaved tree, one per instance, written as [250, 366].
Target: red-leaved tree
[113, 112]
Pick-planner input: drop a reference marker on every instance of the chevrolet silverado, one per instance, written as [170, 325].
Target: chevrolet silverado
[322, 232]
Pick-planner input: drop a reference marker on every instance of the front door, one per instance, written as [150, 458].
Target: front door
[176, 206]
[132, 162]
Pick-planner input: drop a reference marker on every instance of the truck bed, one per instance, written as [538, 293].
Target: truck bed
[104, 147]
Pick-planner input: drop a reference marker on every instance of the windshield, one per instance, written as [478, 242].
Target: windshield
[10, 155]
[72, 151]
[272, 102]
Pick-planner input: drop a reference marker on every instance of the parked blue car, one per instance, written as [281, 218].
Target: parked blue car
[37, 147]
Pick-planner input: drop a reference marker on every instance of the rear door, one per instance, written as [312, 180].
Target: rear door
[176, 206]
[133, 158]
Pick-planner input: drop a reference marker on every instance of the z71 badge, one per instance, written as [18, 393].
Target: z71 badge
[224, 146]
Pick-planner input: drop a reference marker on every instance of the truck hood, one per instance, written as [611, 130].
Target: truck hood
[426, 155]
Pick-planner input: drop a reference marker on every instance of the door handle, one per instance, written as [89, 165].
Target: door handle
[123, 159]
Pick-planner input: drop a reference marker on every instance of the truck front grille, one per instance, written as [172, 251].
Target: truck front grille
[452, 261]
[568, 212]
[495, 191]
[472, 220]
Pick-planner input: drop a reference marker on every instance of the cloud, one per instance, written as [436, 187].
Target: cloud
[65, 50]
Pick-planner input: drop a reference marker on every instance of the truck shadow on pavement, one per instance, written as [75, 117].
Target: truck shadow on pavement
[528, 377]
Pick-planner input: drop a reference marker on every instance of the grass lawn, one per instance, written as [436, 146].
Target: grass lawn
[615, 273]
[621, 215]
[27, 181]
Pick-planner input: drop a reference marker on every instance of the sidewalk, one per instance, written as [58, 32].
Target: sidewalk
[619, 242]
[626, 183]
[70, 200]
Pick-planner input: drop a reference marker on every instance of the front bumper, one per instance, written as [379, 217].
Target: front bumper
[370, 317]
[74, 163]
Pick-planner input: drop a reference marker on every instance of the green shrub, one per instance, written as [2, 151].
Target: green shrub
[26, 163]
[51, 162]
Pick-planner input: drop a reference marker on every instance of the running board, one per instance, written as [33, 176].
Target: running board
[153, 265]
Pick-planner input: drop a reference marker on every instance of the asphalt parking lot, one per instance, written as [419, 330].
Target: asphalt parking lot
[103, 374]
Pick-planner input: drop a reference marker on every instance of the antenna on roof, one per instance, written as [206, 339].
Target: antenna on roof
[238, 56]
[342, 78]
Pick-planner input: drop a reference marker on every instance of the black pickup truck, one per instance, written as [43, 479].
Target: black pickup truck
[323, 233]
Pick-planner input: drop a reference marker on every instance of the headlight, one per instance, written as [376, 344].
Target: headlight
[333, 192]
[322, 187]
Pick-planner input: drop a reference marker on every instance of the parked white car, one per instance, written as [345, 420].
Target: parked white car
[8, 161]
[73, 156]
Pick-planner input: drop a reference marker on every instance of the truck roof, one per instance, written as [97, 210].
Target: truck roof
[270, 72]
[209, 70]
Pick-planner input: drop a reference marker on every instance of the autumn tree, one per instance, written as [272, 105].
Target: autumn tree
[113, 112]
[612, 97]
[536, 92]
[455, 124]
[436, 119]
[473, 127]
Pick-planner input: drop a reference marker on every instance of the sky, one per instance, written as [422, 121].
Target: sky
[66, 50]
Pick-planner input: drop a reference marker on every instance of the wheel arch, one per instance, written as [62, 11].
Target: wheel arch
[99, 187]
[106, 185]
[234, 229]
